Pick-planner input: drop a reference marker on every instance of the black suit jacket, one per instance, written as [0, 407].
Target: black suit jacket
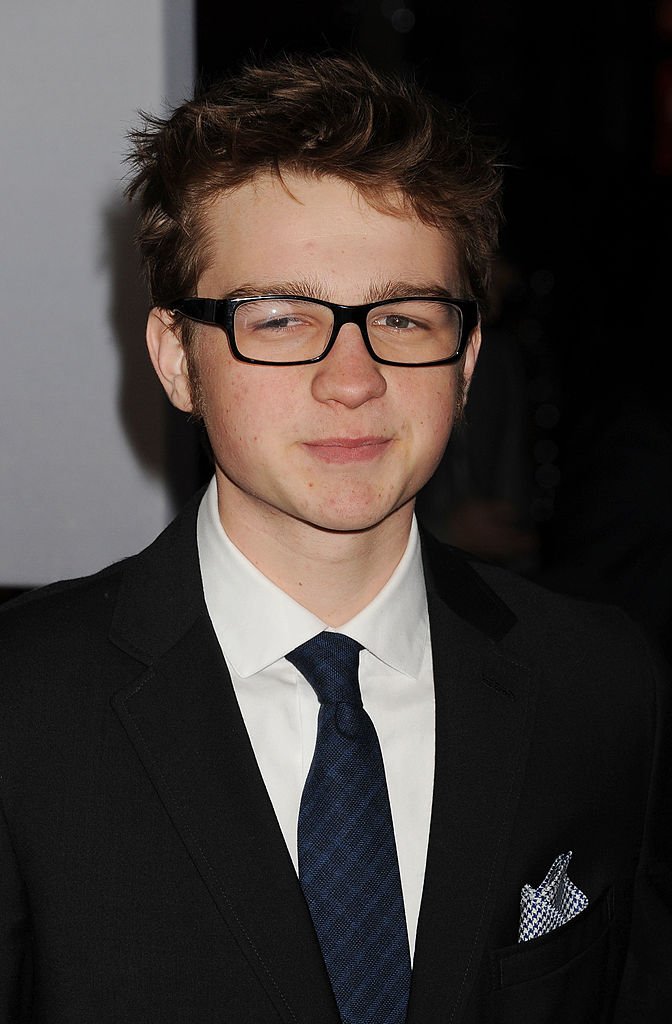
[144, 878]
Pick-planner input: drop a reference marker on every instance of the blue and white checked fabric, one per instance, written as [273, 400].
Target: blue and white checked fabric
[553, 903]
[348, 865]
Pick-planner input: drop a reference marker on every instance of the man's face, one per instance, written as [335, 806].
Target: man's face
[346, 443]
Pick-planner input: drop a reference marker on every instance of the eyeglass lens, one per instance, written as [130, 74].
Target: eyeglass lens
[288, 330]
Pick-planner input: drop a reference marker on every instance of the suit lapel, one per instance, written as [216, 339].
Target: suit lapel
[483, 718]
[183, 719]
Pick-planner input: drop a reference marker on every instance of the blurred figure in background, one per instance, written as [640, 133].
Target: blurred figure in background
[610, 539]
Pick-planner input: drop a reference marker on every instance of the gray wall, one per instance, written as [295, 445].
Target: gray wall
[84, 427]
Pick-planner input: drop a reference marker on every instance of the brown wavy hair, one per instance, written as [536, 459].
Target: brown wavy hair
[314, 115]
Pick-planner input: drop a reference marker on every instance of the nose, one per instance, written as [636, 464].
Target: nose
[348, 375]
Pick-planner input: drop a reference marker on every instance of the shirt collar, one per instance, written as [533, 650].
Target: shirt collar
[257, 623]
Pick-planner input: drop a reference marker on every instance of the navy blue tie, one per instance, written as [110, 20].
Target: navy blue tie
[348, 865]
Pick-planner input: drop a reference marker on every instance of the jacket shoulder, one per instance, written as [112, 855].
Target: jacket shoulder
[53, 618]
[49, 619]
[554, 632]
[569, 631]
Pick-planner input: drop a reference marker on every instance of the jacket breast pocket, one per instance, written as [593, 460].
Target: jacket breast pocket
[564, 976]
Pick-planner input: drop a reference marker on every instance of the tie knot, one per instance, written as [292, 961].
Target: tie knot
[330, 663]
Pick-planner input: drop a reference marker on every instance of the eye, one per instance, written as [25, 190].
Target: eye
[277, 323]
[396, 321]
[279, 317]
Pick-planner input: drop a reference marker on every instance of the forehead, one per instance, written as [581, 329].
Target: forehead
[274, 230]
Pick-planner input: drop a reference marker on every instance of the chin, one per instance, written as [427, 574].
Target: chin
[350, 519]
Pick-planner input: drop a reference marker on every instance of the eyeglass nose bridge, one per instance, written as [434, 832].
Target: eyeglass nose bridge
[349, 315]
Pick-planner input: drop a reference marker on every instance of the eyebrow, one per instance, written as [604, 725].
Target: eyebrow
[313, 288]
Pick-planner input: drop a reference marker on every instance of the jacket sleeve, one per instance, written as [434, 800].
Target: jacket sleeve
[646, 986]
[15, 946]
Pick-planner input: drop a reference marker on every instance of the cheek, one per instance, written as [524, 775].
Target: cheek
[245, 412]
[224, 408]
[432, 409]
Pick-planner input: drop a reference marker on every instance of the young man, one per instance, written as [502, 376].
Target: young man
[200, 820]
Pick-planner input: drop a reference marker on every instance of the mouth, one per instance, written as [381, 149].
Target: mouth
[348, 449]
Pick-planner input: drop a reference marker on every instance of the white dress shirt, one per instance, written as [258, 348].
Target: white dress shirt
[257, 623]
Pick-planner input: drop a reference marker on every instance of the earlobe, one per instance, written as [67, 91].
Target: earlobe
[168, 359]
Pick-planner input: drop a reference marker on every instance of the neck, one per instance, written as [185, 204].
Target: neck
[334, 575]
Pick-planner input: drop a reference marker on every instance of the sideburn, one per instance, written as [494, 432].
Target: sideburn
[460, 395]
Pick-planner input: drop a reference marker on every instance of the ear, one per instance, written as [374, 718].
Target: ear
[168, 358]
[470, 357]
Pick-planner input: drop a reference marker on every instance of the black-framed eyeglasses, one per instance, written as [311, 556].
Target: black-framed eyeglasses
[290, 330]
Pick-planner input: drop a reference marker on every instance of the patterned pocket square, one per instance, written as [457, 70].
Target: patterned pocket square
[554, 902]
